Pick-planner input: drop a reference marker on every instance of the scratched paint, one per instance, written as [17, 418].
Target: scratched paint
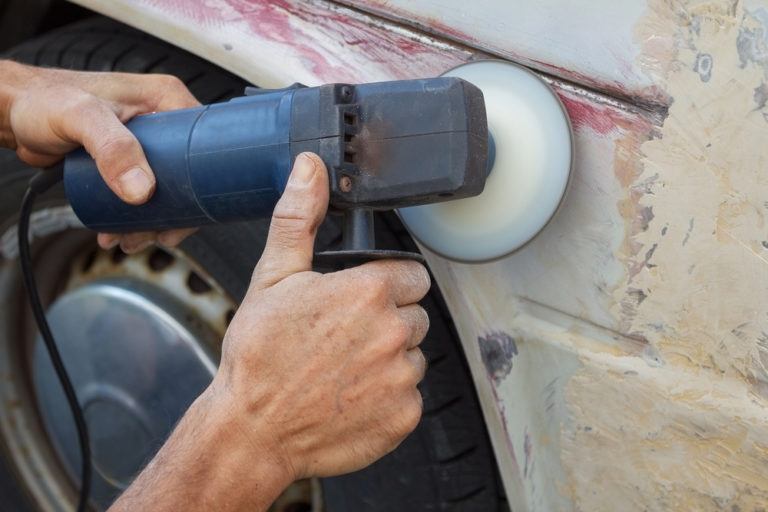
[307, 41]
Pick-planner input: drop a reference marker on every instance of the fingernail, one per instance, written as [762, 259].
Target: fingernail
[135, 184]
[303, 170]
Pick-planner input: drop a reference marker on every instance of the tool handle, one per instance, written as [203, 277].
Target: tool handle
[217, 163]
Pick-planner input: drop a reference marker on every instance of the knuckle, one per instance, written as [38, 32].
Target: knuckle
[412, 412]
[170, 81]
[374, 287]
[112, 143]
[285, 230]
[422, 320]
[76, 101]
[421, 277]
[174, 90]
[408, 374]
[421, 364]
[400, 331]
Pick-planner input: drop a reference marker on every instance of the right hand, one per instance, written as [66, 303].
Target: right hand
[319, 371]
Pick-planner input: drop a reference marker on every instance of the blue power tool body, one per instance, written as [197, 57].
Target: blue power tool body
[386, 145]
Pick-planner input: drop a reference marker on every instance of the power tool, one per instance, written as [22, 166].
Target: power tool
[476, 161]
[386, 145]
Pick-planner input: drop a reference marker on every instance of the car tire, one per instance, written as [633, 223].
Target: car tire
[447, 463]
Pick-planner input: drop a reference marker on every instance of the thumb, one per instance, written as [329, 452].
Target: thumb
[297, 215]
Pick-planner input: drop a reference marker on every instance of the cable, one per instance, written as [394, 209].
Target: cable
[39, 183]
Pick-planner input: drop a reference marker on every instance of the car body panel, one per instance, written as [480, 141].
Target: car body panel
[593, 44]
[621, 357]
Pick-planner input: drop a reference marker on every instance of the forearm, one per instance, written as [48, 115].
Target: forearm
[207, 464]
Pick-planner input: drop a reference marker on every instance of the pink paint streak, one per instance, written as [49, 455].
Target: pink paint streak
[334, 45]
[331, 45]
[587, 115]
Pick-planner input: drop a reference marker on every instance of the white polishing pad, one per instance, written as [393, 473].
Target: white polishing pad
[534, 149]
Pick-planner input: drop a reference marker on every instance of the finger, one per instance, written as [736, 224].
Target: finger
[131, 93]
[108, 240]
[117, 153]
[35, 158]
[294, 223]
[418, 322]
[407, 280]
[418, 362]
[174, 95]
[173, 237]
[134, 242]
[139, 94]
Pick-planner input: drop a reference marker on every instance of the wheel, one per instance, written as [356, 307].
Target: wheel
[181, 301]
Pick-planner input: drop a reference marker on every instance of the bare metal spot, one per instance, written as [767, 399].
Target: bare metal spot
[703, 66]
[649, 255]
[639, 295]
[646, 216]
[751, 47]
[497, 350]
[761, 95]
[652, 356]
[688, 233]
[527, 448]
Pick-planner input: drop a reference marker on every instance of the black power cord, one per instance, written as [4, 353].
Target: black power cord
[39, 183]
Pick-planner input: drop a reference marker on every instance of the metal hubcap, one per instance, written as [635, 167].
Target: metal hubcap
[133, 336]
[135, 369]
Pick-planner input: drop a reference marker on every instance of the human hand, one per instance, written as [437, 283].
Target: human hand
[317, 377]
[323, 368]
[45, 113]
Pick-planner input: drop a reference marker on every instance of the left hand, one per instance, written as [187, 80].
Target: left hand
[46, 113]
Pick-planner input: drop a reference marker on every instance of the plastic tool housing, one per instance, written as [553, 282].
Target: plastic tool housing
[386, 145]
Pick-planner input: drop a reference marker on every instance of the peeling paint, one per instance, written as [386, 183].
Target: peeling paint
[695, 285]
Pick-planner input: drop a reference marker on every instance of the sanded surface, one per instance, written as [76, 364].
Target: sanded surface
[621, 357]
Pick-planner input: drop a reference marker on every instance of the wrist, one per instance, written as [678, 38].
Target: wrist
[249, 448]
[212, 461]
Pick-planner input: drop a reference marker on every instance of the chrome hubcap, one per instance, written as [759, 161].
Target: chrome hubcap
[139, 337]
